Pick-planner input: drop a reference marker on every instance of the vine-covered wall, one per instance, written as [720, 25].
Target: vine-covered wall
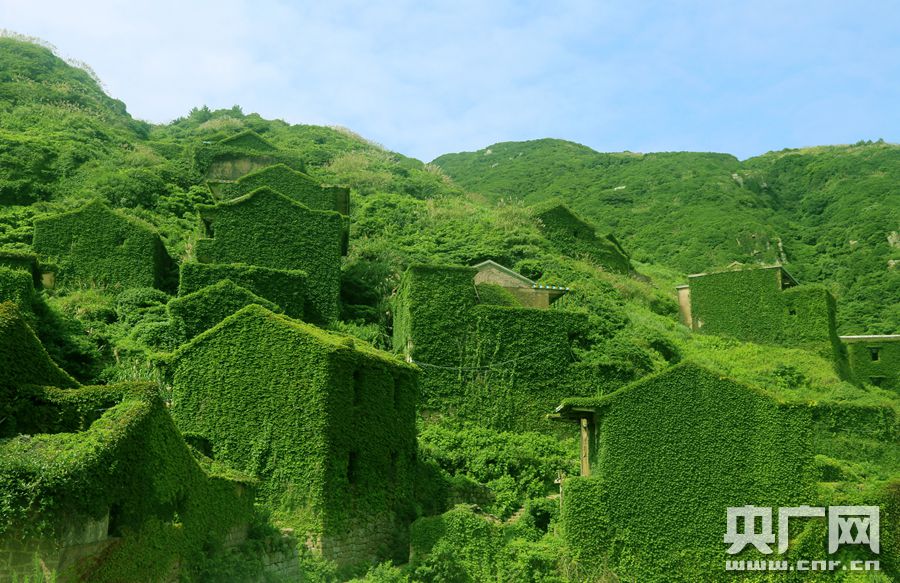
[325, 422]
[94, 245]
[750, 304]
[876, 362]
[503, 366]
[285, 288]
[127, 470]
[199, 311]
[576, 238]
[675, 451]
[268, 229]
[294, 185]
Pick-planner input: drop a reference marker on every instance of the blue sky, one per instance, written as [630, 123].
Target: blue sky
[424, 78]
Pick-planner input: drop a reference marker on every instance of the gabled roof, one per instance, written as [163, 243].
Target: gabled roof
[248, 139]
[329, 341]
[99, 207]
[23, 359]
[737, 266]
[574, 407]
[208, 211]
[487, 264]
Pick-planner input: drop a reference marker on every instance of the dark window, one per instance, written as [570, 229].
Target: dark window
[114, 527]
[877, 381]
[357, 386]
[792, 311]
[393, 468]
[875, 353]
[352, 467]
[397, 388]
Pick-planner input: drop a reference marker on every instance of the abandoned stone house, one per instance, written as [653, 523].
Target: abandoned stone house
[325, 422]
[236, 155]
[90, 471]
[294, 184]
[575, 237]
[268, 229]
[529, 293]
[97, 245]
[767, 305]
[875, 359]
[484, 353]
[661, 460]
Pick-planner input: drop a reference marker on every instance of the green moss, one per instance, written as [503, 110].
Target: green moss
[672, 452]
[285, 288]
[95, 245]
[203, 309]
[326, 422]
[267, 229]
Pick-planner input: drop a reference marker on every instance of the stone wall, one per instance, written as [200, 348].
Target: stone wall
[21, 559]
[368, 540]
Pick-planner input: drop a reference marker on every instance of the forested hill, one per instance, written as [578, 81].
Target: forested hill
[831, 214]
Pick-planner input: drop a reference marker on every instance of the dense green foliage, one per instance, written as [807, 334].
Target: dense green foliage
[576, 238]
[876, 362]
[503, 366]
[96, 246]
[328, 425]
[690, 426]
[285, 288]
[295, 185]
[199, 311]
[830, 214]
[23, 360]
[131, 463]
[268, 229]
[16, 286]
[753, 305]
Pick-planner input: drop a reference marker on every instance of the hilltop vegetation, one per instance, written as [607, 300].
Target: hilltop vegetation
[830, 214]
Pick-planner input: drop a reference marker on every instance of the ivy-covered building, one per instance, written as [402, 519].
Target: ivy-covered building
[483, 355]
[764, 305]
[234, 156]
[875, 359]
[529, 293]
[325, 422]
[663, 458]
[94, 245]
[294, 184]
[284, 287]
[267, 229]
[573, 236]
[97, 483]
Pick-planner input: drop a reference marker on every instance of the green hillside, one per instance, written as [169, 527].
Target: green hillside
[830, 214]
[105, 228]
